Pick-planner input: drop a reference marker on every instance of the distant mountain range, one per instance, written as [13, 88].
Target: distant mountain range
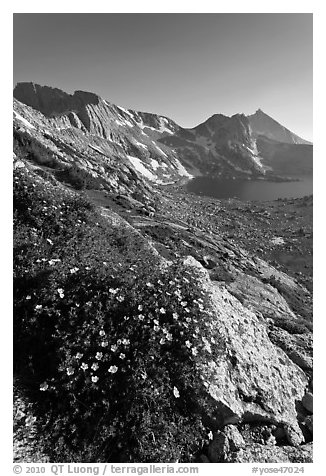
[95, 141]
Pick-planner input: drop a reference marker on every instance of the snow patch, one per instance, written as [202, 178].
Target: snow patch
[257, 161]
[128, 123]
[23, 120]
[181, 170]
[141, 145]
[160, 182]
[98, 150]
[160, 150]
[119, 122]
[126, 111]
[155, 165]
[163, 127]
[139, 166]
[144, 126]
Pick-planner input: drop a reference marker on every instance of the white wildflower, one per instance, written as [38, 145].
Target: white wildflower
[176, 392]
[44, 386]
[113, 369]
[74, 270]
[60, 292]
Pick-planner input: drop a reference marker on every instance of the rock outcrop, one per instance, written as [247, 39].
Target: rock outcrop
[252, 380]
[229, 446]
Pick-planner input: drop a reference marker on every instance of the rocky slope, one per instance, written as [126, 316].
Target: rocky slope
[155, 146]
[284, 158]
[238, 327]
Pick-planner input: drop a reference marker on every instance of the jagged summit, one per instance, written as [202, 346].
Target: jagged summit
[262, 124]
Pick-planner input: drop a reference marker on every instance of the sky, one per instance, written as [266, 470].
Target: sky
[184, 66]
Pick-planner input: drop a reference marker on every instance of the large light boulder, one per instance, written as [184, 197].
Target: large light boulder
[251, 380]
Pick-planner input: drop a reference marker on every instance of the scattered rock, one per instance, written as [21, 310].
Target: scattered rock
[307, 402]
[279, 434]
[224, 443]
[271, 440]
[257, 453]
[309, 423]
[293, 435]
[208, 262]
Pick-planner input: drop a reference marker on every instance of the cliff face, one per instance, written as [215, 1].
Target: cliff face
[53, 101]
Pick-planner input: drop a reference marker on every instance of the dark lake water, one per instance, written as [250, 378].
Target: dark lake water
[250, 189]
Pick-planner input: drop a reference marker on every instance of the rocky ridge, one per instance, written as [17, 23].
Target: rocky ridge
[158, 148]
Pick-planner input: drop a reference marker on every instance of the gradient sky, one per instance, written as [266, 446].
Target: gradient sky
[184, 66]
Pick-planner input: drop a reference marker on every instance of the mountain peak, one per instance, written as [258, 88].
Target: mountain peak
[260, 111]
[264, 125]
